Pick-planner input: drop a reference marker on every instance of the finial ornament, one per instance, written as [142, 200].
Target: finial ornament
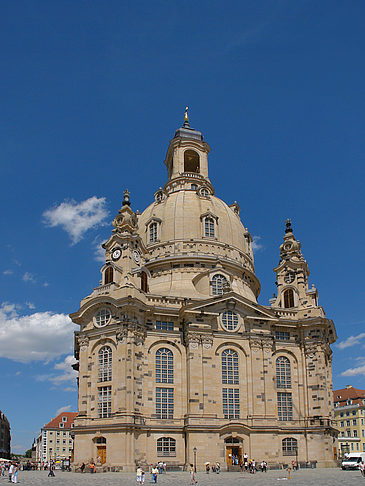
[288, 226]
[126, 198]
[186, 117]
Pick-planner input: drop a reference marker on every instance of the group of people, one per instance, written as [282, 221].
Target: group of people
[216, 468]
[10, 468]
[155, 470]
[249, 465]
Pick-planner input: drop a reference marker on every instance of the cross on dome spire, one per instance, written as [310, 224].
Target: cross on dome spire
[186, 118]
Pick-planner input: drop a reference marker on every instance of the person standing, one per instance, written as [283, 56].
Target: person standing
[362, 468]
[154, 474]
[11, 469]
[82, 467]
[139, 475]
[14, 477]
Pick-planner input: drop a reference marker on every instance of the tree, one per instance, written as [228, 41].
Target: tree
[28, 453]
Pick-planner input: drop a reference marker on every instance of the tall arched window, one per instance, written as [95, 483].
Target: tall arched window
[219, 282]
[144, 282]
[105, 364]
[191, 161]
[166, 447]
[230, 367]
[164, 366]
[283, 373]
[108, 275]
[289, 446]
[288, 298]
[153, 232]
[209, 227]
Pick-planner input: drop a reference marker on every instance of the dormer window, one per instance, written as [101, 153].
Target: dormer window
[61, 425]
[108, 275]
[64, 419]
[204, 192]
[191, 161]
[209, 227]
[153, 232]
[219, 284]
[153, 229]
[159, 196]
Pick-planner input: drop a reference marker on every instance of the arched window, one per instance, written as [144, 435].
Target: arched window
[166, 447]
[164, 366]
[209, 227]
[219, 282]
[144, 282]
[153, 232]
[230, 367]
[289, 446]
[288, 298]
[283, 374]
[105, 364]
[108, 275]
[191, 161]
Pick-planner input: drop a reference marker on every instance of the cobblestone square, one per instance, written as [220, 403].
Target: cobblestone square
[312, 477]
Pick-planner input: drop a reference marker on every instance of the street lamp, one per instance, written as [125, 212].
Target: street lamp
[195, 450]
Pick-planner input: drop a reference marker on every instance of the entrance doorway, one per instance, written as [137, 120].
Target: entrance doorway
[233, 451]
[101, 454]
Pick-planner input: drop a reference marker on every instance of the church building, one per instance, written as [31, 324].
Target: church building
[177, 360]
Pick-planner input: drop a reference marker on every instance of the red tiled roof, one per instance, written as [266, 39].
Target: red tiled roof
[342, 395]
[55, 423]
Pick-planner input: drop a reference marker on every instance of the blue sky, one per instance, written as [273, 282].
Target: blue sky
[91, 93]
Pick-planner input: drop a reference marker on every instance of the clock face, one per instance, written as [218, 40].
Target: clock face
[136, 256]
[116, 253]
[289, 277]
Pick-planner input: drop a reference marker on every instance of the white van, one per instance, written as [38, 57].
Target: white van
[352, 460]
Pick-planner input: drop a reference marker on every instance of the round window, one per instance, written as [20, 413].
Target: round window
[230, 320]
[102, 317]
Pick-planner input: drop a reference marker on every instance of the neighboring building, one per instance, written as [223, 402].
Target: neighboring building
[55, 442]
[349, 405]
[176, 355]
[5, 436]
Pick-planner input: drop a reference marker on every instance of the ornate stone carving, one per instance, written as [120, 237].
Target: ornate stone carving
[83, 342]
[267, 345]
[207, 342]
[121, 335]
[193, 340]
[310, 350]
[255, 344]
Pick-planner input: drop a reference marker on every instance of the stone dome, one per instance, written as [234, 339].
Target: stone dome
[181, 217]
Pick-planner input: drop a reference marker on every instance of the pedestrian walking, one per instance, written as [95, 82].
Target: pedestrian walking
[192, 474]
[82, 467]
[263, 466]
[362, 468]
[51, 471]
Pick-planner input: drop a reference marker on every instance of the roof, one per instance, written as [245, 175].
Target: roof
[341, 396]
[55, 423]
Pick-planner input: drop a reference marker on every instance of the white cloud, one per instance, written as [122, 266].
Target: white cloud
[41, 336]
[99, 252]
[28, 277]
[30, 305]
[8, 272]
[77, 218]
[256, 245]
[69, 389]
[64, 372]
[359, 370]
[351, 341]
[66, 408]
[46, 284]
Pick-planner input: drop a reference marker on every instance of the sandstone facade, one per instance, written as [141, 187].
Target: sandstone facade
[175, 353]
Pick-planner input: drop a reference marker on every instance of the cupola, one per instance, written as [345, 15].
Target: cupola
[187, 155]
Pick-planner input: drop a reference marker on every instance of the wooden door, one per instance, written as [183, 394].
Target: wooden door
[102, 453]
[228, 455]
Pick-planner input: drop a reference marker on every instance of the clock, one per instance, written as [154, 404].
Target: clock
[289, 277]
[136, 256]
[116, 253]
